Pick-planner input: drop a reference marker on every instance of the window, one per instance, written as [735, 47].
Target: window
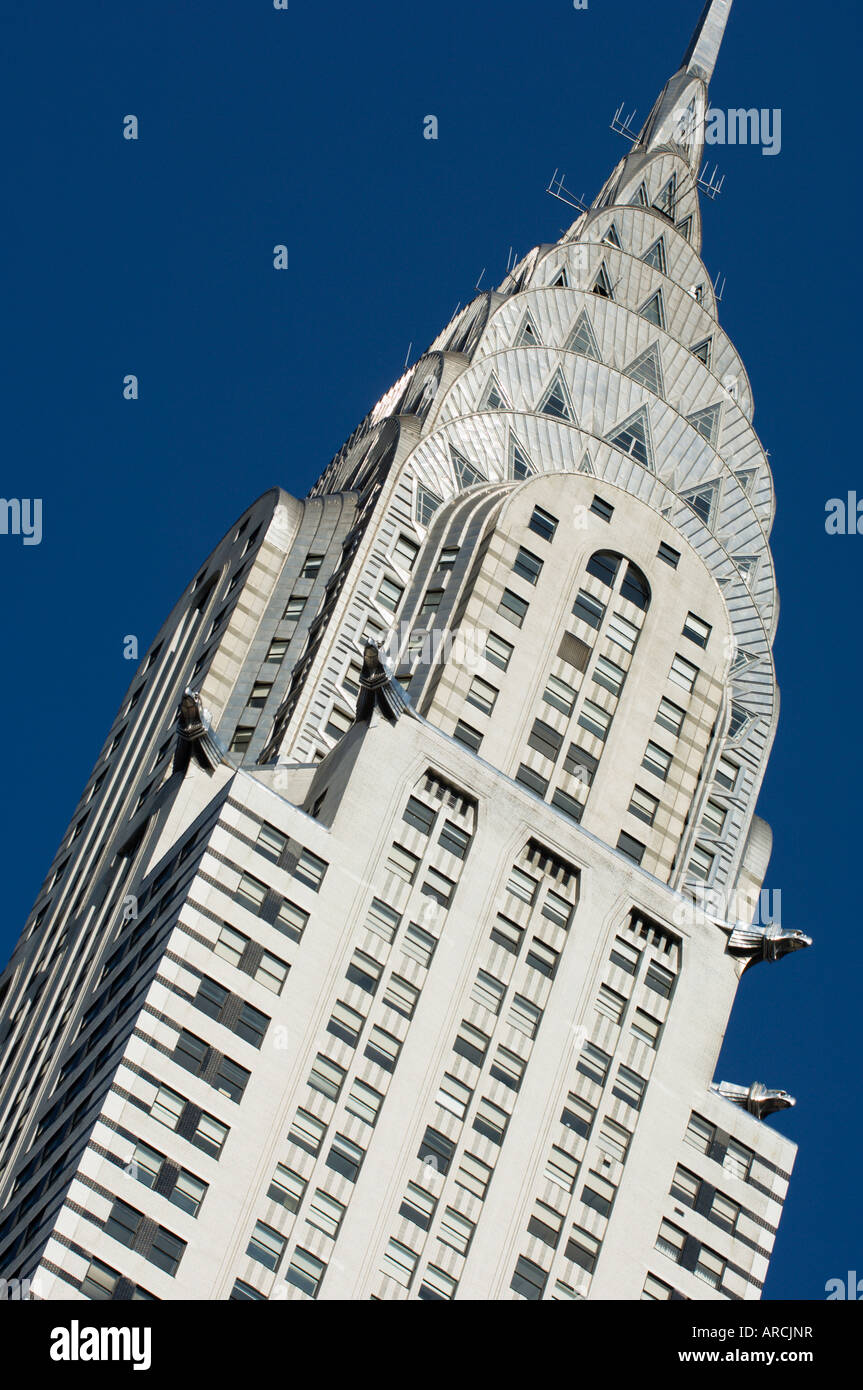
[310, 870]
[244, 1293]
[364, 971]
[123, 1223]
[271, 973]
[437, 1285]
[660, 980]
[700, 1134]
[624, 956]
[609, 675]
[271, 843]
[438, 886]
[287, 1188]
[260, 691]
[524, 1016]
[402, 864]
[291, 920]
[629, 1087]
[604, 566]
[714, 817]
[454, 839]
[655, 1291]
[448, 557]
[488, 991]
[210, 1135]
[610, 1004]
[231, 1080]
[431, 602]
[643, 805]
[190, 1052]
[697, 630]
[471, 1042]
[390, 594]
[326, 1076]
[527, 565]
[453, 1095]
[578, 1115]
[99, 1282]
[364, 1102]
[325, 1213]
[230, 945]
[594, 1063]
[574, 652]
[560, 695]
[542, 958]
[419, 944]
[418, 1206]
[580, 764]
[543, 523]
[529, 1279]
[293, 609]
[508, 1067]
[383, 1048]
[507, 933]
[632, 848]
[589, 609]
[417, 814]
[513, 608]
[561, 1169]
[531, 779]
[456, 1230]
[338, 723]
[685, 1186]
[491, 1121]
[188, 1193]
[646, 1027]
[726, 774]
[251, 892]
[522, 885]
[724, 1212]
[602, 509]
[382, 919]
[670, 716]
[595, 720]
[468, 735]
[701, 864]
[622, 632]
[497, 651]
[311, 566]
[614, 1140]
[583, 1249]
[557, 909]
[405, 551]
[671, 1241]
[598, 1195]
[545, 739]
[683, 673]
[482, 694]
[305, 1272]
[669, 555]
[473, 1175]
[266, 1245]
[345, 1157]
[657, 761]
[436, 1150]
[738, 1160]
[345, 1023]
[401, 995]
[710, 1267]
[145, 1165]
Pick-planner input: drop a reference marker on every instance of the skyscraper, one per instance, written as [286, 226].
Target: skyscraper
[390, 949]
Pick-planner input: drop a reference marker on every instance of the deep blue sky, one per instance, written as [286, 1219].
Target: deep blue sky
[259, 127]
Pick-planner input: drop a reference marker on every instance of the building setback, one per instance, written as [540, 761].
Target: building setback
[376, 962]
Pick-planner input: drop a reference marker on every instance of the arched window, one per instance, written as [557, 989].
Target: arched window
[604, 565]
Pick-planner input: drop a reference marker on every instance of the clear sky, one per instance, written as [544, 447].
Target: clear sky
[305, 127]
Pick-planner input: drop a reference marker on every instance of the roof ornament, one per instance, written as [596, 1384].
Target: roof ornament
[196, 737]
[378, 690]
[757, 1099]
[765, 943]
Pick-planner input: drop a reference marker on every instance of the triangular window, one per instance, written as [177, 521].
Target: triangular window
[466, 473]
[582, 340]
[654, 310]
[666, 199]
[739, 720]
[747, 565]
[561, 282]
[647, 370]
[703, 350]
[640, 200]
[494, 398]
[702, 501]
[602, 284]
[633, 437]
[746, 478]
[656, 257]
[611, 237]
[707, 422]
[586, 466]
[685, 228]
[520, 465]
[555, 402]
[527, 335]
[427, 505]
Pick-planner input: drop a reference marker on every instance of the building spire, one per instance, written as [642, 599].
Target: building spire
[701, 55]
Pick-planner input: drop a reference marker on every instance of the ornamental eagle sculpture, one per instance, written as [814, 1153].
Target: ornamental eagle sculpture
[757, 1099]
[378, 690]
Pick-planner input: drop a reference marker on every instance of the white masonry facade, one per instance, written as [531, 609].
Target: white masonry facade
[391, 947]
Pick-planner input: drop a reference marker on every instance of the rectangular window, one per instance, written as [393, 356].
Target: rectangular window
[251, 892]
[542, 958]
[473, 1175]
[683, 673]
[660, 980]
[697, 630]
[419, 944]
[560, 695]
[418, 1206]
[655, 1291]
[405, 551]
[383, 1048]
[345, 1023]
[507, 933]
[546, 1224]
[738, 1160]
[453, 1095]
[326, 1076]
[287, 1188]
[595, 720]
[166, 1251]
[364, 971]
[437, 1286]
[670, 716]
[189, 1192]
[293, 609]
[508, 1067]
[726, 774]
[685, 1186]
[598, 1195]
[669, 555]
[231, 1080]
[401, 995]
[614, 1140]
[311, 566]
[594, 1063]
[453, 839]
[468, 735]
[561, 1169]
[338, 723]
[456, 1230]
[345, 1157]
[471, 1042]
[522, 885]
[512, 607]
[622, 632]
[545, 739]
[583, 1249]
[382, 919]
[713, 818]
[271, 973]
[242, 737]
[364, 1102]
[629, 1087]
[271, 843]
[671, 1241]
[657, 761]
[482, 695]
[724, 1212]
[448, 557]
[610, 1004]
[609, 675]
[646, 1027]
[390, 594]
[497, 651]
[531, 779]
[436, 1150]
[710, 1267]
[488, 991]
[123, 1223]
[643, 805]
[260, 691]
[527, 565]
[291, 920]
[624, 956]
[632, 848]
[431, 602]
[420, 816]
[543, 523]
[325, 1213]
[99, 1282]
[580, 764]
[438, 886]
[557, 909]
[588, 609]
[701, 864]
[230, 945]
[602, 509]
[578, 1115]
[529, 1280]
[490, 1121]
[210, 1135]
[310, 870]
[700, 1134]
[402, 864]
[524, 1016]
[305, 1272]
